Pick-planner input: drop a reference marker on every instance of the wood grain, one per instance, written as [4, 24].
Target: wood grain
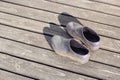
[10, 76]
[55, 18]
[40, 41]
[81, 13]
[110, 2]
[92, 6]
[106, 43]
[50, 58]
[26, 28]
[41, 72]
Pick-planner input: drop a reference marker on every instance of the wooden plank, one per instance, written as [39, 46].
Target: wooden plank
[49, 57]
[37, 40]
[110, 2]
[91, 5]
[109, 72]
[106, 43]
[47, 16]
[41, 72]
[81, 13]
[10, 76]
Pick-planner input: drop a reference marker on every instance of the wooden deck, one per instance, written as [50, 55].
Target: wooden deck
[26, 27]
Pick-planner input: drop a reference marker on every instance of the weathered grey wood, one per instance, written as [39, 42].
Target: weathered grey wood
[106, 43]
[38, 71]
[10, 76]
[81, 13]
[39, 40]
[51, 17]
[90, 5]
[49, 57]
[42, 54]
[110, 2]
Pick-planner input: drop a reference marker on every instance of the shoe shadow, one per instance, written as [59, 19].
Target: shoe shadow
[64, 18]
[54, 29]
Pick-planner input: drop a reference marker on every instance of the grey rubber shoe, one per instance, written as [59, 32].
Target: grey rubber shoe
[70, 48]
[88, 36]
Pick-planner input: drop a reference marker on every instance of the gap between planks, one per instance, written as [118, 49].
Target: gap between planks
[12, 33]
[93, 17]
[112, 45]
[8, 75]
[111, 3]
[105, 31]
[36, 69]
[91, 6]
[15, 48]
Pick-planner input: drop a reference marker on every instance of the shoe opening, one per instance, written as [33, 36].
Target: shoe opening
[90, 35]
[78, 48]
